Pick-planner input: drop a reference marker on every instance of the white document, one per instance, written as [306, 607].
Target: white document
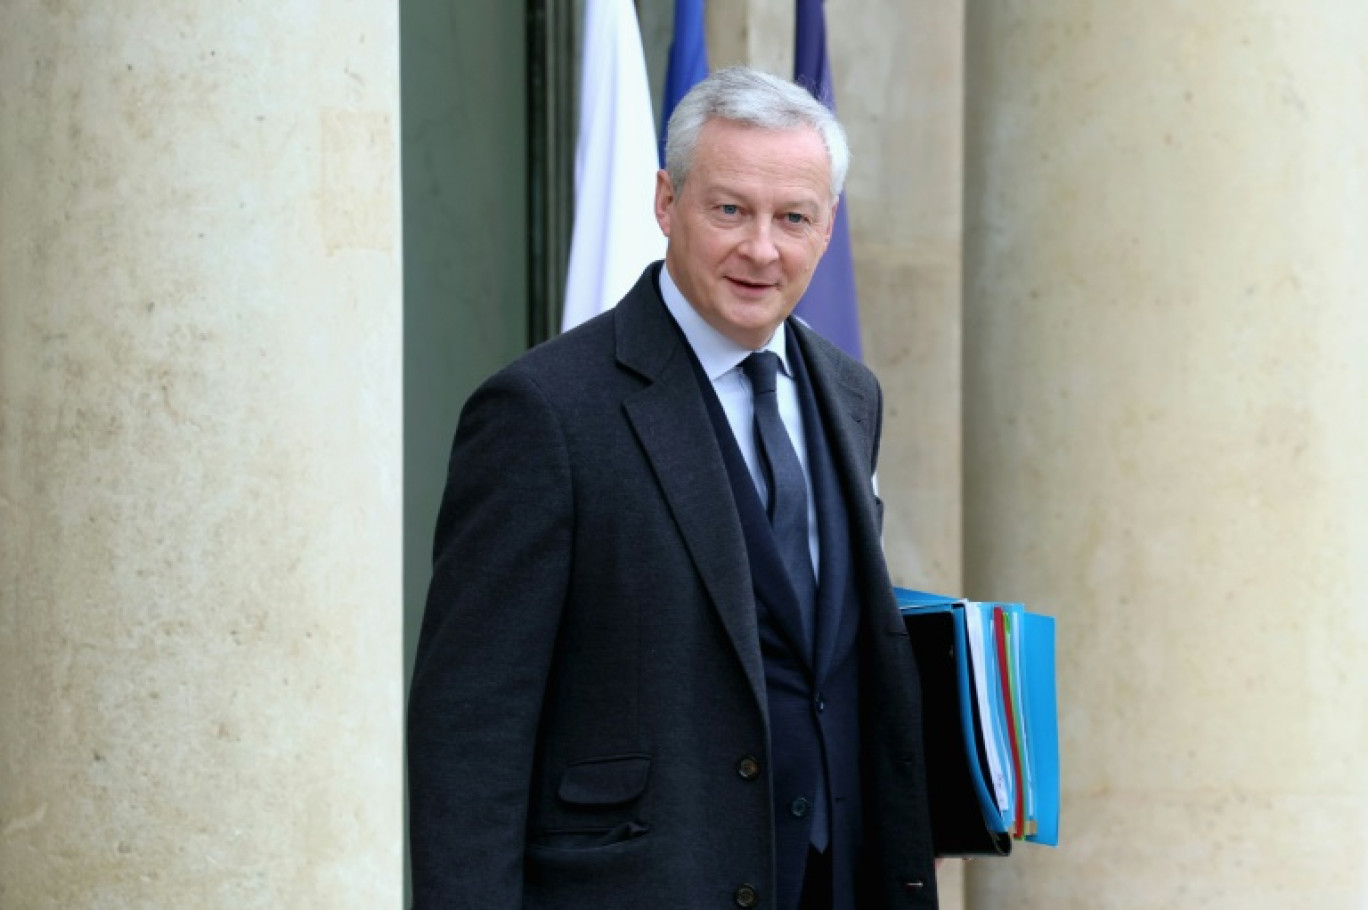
[999, 762]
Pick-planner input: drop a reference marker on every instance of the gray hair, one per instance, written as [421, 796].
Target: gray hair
[757, 99]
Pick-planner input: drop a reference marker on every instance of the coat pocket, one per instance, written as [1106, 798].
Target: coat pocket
[599, 803]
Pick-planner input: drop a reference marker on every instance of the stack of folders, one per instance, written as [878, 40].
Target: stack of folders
[991, 728]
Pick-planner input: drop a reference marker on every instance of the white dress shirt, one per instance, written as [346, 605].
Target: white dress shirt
[721, 360]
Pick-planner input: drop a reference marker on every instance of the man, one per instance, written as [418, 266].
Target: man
[661, 664]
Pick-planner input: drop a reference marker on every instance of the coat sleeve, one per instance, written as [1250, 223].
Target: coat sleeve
[500, 574]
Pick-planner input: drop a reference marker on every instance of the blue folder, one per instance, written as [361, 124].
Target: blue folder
[1042, 719]
[973, 813]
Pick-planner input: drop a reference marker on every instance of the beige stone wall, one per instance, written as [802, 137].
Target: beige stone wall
[756, 33]
[200, 310]
[1165, 387]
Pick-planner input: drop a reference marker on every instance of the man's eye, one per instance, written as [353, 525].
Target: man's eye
[728, 209]
[795, 217]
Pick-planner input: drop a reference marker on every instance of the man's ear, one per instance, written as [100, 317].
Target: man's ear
[664, 201]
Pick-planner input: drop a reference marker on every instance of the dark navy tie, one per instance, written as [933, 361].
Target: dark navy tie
[788, 502]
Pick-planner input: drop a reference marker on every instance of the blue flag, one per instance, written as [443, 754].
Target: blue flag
[829, 303]
[688, 61]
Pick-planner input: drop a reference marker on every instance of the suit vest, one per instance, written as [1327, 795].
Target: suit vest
[812, 687]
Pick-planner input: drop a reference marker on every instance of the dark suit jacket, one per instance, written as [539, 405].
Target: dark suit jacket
[587, 719]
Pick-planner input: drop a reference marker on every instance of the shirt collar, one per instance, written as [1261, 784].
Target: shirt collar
[717, 353]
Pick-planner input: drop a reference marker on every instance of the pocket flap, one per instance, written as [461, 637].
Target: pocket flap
[605, 781]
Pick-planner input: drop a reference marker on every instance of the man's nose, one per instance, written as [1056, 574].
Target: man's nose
[759, 245]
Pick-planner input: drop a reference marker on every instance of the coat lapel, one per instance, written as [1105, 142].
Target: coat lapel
[847, 413]
[831, 517]
[672, 425]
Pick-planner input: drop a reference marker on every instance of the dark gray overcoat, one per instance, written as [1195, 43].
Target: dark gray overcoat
[587, 720]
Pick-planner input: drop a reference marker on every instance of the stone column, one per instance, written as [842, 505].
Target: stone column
[200, 511]
[1167, 418]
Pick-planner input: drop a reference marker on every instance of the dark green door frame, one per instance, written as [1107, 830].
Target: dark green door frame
[551, 115]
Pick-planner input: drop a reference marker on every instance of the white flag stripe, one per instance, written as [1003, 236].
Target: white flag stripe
[615, 234]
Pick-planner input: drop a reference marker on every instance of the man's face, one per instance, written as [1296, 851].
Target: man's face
[746, 231]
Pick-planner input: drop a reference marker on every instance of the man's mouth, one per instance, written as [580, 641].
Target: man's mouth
[752, 286]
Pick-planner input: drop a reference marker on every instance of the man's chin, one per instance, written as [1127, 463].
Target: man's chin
[752, 325]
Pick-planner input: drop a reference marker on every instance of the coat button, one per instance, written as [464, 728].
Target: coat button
[799, 807]
[748, 768]
[747, 896]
